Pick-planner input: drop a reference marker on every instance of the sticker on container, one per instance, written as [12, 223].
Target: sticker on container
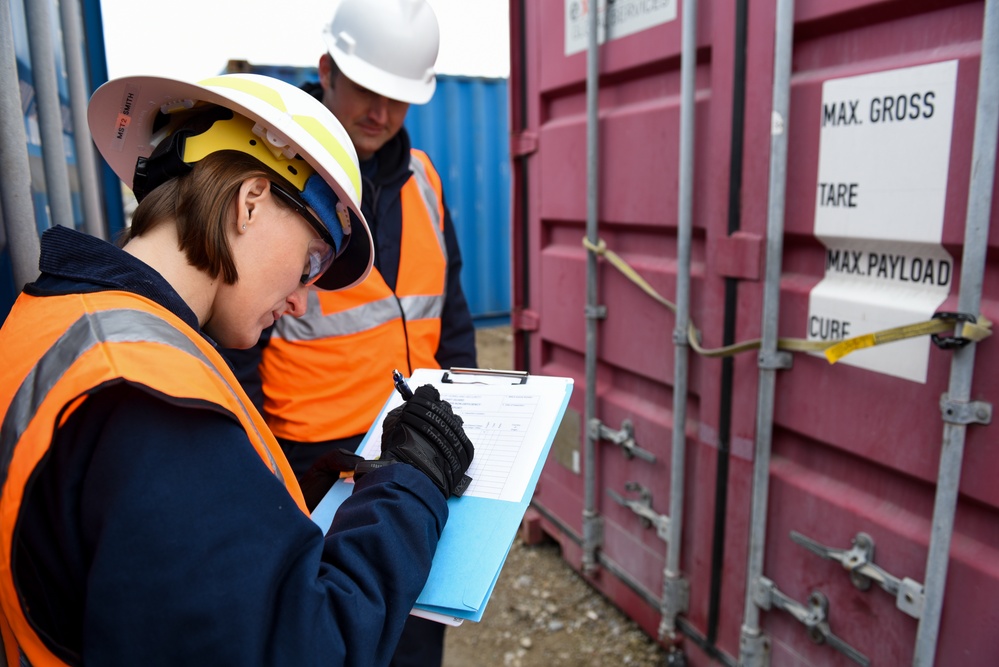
[616, 18]
[884, 154]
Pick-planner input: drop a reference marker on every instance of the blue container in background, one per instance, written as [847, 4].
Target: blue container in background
[464, 129]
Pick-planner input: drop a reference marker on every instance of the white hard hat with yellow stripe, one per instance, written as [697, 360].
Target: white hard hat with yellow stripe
[151, 129]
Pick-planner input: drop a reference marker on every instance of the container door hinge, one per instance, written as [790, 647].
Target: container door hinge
[814, 616]
[858, 560]
[965, 412]
[625, 439]
[676, 601]
[643, 508]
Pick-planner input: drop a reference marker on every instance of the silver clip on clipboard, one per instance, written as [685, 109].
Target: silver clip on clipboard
[458, 375]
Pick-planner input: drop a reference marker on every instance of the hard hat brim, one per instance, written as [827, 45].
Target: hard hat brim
[355, 260]
[379, 81]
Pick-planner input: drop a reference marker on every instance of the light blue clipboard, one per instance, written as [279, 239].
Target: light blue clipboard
[479, 531]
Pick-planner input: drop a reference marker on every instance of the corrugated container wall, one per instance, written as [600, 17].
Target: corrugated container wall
[788, 470]
[464, 130]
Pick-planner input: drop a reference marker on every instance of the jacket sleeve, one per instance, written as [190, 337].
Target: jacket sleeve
[199, 555]
[457, 344]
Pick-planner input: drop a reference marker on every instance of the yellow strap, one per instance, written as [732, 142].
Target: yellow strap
[834, 350]
[974, 331]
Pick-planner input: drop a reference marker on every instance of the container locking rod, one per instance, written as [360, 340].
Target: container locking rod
[814, 616]
[858, 560]
[625, 439]
[643, 508]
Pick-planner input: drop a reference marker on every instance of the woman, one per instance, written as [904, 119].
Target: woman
[147, 515]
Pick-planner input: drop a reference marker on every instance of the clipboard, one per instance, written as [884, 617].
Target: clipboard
[511, 418]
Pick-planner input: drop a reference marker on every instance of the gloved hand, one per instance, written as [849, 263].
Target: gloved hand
[425, 433]
[326, 470]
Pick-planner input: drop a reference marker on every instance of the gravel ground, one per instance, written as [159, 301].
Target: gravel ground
[542, 613]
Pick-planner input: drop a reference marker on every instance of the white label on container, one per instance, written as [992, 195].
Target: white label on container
[616, 18]
[884, 153]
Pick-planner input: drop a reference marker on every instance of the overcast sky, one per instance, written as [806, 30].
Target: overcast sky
[194, 39]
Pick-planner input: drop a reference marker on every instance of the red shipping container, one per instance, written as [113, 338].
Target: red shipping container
[880, 136]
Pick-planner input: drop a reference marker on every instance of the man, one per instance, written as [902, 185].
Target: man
[325, 376]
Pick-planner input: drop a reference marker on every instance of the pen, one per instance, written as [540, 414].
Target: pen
[401, 386]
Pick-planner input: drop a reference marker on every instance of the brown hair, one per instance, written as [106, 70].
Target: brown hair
[201, 203]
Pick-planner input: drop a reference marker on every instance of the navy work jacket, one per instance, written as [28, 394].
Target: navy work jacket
[155, 535]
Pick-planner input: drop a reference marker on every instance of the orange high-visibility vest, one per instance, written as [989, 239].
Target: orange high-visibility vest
[327, 374]
[54, 350]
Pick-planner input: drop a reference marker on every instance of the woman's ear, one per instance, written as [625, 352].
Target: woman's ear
[251, 193]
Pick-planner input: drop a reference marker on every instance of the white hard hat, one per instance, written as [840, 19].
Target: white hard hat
[282, 126]
[386, 46]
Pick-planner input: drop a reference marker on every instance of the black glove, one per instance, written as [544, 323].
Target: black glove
[426, 434]
[318, 479]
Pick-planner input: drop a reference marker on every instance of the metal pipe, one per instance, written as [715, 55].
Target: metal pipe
[43, 70]
[86, 163]
[15, 186]
[769, 358]
[591, 521]
[976, 234]
[672, 605]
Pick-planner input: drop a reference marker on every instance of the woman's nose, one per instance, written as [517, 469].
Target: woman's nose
[297, 301]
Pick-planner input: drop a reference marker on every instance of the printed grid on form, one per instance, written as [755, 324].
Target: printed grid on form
[497, 426]
[501, 422]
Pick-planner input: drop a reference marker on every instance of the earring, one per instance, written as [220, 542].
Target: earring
[244, 225]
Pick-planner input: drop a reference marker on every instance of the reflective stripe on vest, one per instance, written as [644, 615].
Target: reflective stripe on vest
[56, 350]
[113, 326]
[419, 164]
[315, 325]
[323, 373]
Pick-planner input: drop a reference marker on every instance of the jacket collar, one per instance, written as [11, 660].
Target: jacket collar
[73, 262]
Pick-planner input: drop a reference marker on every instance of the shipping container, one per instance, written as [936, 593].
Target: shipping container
[67, 186]
[813, 170]
[464, 130]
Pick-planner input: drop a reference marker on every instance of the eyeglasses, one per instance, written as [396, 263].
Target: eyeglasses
[320, 258]
[321, 253]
